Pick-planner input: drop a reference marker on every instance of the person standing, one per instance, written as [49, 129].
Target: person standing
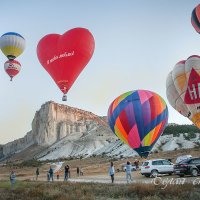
[128, 172]
[12, 179]
[66, 173]
[137, 164]
[37, 173]
[77, 171]
[50, 174]
[111, 171]
[58, 175]
[81, 171]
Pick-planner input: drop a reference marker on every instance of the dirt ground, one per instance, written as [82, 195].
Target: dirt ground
[95, 169]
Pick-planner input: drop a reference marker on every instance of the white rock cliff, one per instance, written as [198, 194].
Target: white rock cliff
[52, 123]
[60, 131]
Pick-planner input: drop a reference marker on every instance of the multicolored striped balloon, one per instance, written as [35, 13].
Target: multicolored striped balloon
[138, 118]
[12, 45]
[195, 18]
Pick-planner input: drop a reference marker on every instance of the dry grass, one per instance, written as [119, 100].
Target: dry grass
[26, 190]
[89, 191]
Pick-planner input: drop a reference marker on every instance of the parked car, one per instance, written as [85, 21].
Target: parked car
[189, 166]
[152, 168]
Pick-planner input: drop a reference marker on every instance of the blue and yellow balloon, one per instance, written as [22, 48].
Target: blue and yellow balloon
[12, 45]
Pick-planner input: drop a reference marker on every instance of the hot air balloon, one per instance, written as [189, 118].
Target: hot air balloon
[65, 56]
[12, 68]
[12, 44]
[183, 88]
[138, 118]
[195, 18]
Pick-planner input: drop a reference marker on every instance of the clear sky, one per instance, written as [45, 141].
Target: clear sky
[138, 42]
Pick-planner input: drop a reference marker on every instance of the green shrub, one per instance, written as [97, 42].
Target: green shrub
[177, 129]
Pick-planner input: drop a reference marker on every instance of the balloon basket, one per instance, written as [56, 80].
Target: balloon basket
[64, 98]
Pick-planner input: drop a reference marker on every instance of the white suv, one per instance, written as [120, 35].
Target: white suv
[151, 168]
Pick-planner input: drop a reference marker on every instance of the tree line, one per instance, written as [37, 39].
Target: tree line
[176, 129]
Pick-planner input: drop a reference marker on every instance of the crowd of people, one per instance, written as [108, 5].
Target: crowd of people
[50, 174]
[79, 171]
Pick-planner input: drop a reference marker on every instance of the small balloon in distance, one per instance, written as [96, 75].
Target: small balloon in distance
[12, 68]
[12, 45]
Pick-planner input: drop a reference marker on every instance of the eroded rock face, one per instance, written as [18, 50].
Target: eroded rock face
[17, 145]
[52, 123]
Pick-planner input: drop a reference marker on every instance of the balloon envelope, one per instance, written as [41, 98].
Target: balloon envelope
[195, 18]
[138, 118]
[183, 88]
[12, 68]
[12, 44]
[65, 56]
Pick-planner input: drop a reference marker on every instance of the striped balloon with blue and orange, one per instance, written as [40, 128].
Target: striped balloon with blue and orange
[12, 45]
[138, 118]
[195, 18]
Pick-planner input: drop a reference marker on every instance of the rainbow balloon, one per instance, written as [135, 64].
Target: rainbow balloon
[138, 118]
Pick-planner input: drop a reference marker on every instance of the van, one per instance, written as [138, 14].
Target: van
[181, 158]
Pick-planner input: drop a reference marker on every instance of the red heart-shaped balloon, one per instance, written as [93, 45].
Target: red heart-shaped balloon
[65, 56]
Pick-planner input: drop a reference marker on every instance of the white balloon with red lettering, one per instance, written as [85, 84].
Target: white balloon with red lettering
[12, 68]
[183, 88]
